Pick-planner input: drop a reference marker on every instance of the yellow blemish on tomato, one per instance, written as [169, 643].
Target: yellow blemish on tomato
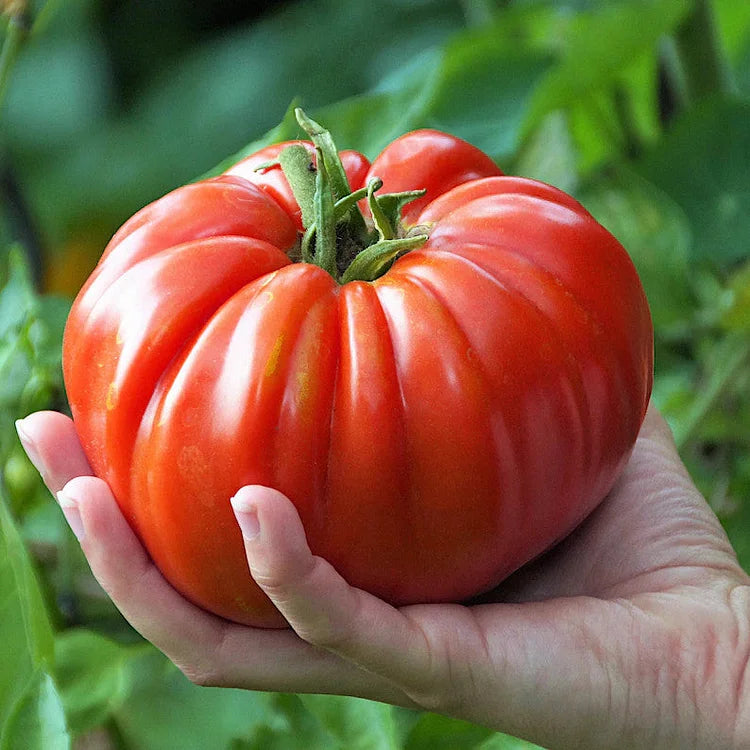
[243, 604]
[303, 386]
[273, 359]
[113, 396]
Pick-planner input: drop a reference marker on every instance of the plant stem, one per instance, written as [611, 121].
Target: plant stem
[15, 210]
[624, 108]
[325, 239]
[327, 151]
[734, 361]
[296, 162]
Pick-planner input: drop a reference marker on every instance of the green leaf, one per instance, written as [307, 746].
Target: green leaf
[287, 725]
[506, 742]
[656, 234]
[435, 732]
[478, 86]
[326, 722]
[475, 88]
[733, 20]
[702, 164]
[287, 130]
[599, 45]
[164, 710]
[604, 77]
[736, 316]
[38, 721]
[91, 672]
[484, 91]
[59, 92]
[549, 154]
[729, 359]
[16, 295]
[30, 351]
[735, 513]
[28, 699]
[354, 723]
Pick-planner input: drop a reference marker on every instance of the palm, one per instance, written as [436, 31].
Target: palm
[622, 635]
[652, 552]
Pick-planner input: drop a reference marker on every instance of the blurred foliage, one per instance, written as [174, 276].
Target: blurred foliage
[640, 108]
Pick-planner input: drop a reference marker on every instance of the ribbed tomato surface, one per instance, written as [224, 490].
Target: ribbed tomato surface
[436, 428]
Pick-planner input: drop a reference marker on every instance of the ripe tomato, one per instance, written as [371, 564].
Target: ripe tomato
[436, 427]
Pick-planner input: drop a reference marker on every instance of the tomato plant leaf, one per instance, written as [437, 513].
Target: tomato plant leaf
[28, 699]
[549, 154]
[736, 315]
[164, 710]
[38, 721]
[91, 672]
[702, 164]
[353, 722]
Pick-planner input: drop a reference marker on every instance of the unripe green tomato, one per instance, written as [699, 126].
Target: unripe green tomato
[20, 476]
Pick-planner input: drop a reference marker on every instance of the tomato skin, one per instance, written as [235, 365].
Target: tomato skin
[432, 160]
[436, 428]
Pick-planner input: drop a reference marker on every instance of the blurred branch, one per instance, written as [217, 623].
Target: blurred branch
[20, 220]
[730, 361]
[15, 15]
[632, 141]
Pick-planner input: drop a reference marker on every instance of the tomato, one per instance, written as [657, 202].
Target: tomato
[436, 426]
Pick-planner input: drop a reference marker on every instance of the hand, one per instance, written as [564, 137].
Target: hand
[634, 632]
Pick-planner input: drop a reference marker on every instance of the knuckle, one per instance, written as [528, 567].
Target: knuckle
[199, 676]
[317, 629]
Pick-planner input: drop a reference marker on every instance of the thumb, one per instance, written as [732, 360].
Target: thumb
[321, 607]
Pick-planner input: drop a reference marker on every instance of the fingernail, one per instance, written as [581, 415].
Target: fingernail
[247, 517]
[69, 507]
[29, 446]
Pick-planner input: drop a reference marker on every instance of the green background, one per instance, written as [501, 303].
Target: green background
[640, 109]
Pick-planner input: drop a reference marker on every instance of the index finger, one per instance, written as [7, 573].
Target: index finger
[52, 445]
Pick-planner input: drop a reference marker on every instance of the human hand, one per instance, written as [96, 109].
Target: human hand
[634, 632]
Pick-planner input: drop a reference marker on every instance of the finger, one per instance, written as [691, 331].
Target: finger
[121, 565]
[51, 443]
[209, 649]
[318, 603]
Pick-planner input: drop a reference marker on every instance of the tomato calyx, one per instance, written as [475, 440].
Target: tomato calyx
[337, 236]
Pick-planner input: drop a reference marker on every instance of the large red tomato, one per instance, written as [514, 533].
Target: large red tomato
[436, 427]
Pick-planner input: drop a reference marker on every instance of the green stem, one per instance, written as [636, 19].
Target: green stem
[631, 136]
[731, 362]
[382, 223]
[375, 260]
[300, 174]
[324, 144]
[14, 37]
[325, 233]
[337, 238]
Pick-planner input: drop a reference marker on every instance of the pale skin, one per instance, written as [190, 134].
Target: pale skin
[632, 633]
